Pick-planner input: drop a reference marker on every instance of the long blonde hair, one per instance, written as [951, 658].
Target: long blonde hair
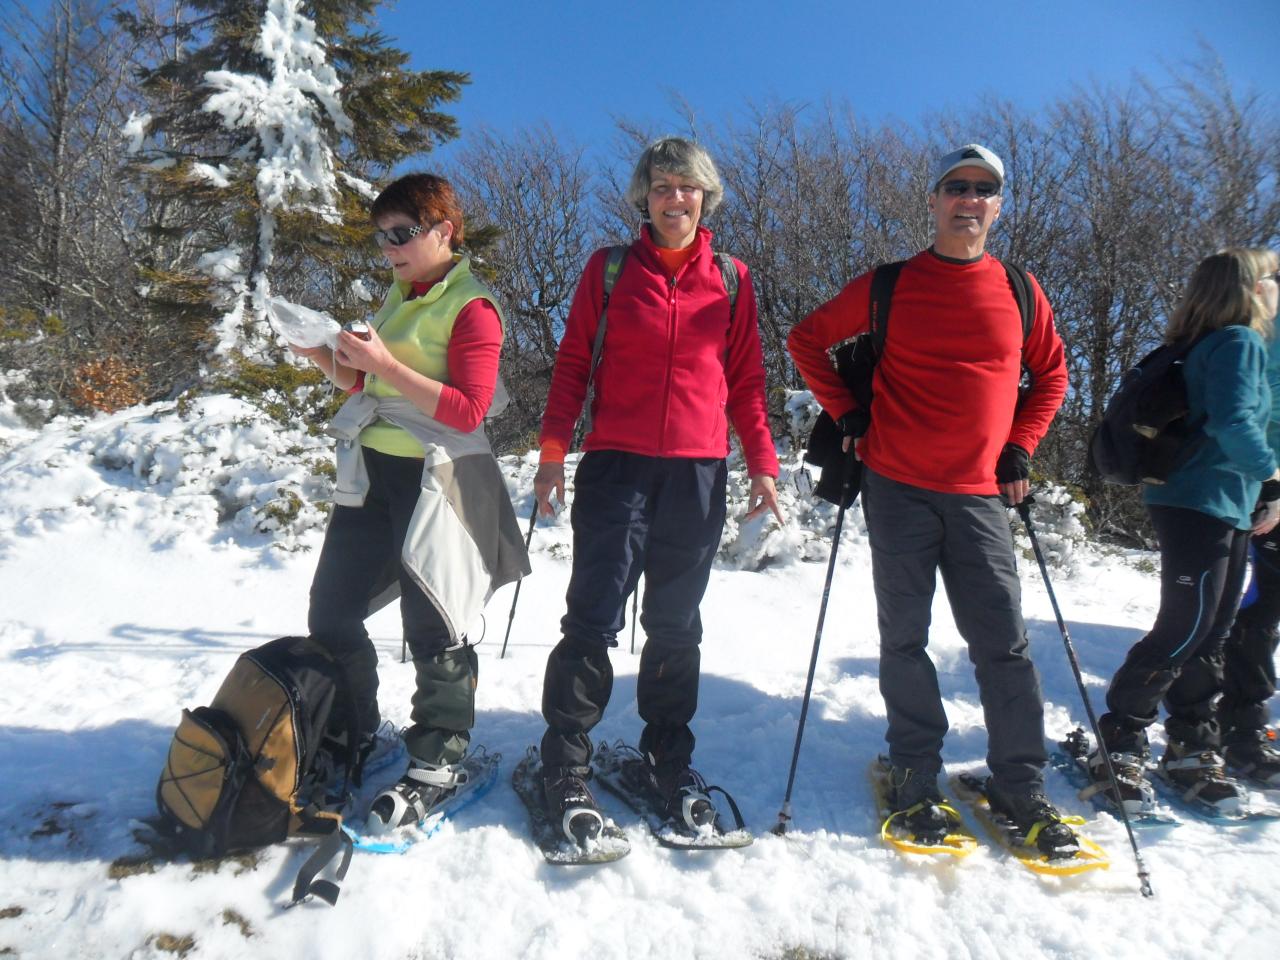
[1222, 292]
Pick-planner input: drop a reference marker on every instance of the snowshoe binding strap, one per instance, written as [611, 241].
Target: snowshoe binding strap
[942, 838]
[581, 822]
[1214, 769]
[738, 822]
[1136, 795]
[697, 812]
[409, 801]
[1053, 831]
[689, 806]
[1076, 856]
[446, 775]
[582, 825]
[1134, 806]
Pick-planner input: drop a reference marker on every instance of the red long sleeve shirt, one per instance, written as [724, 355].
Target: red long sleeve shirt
[676, 367]
[473, 354]
[947, 382]
[474, 348]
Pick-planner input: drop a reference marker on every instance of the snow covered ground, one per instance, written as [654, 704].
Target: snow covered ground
[126, 594]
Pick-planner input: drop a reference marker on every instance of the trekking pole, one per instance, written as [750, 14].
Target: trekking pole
[784, 815]
[1144, 877]
[511, 617]
[635, 602]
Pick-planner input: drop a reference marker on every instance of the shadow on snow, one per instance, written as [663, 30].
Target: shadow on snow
[71, 795]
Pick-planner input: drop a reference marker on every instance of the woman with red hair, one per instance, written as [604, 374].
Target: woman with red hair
[412, 453]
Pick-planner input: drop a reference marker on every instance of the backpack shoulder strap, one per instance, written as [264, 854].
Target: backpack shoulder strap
[729, 274]
[1022, 292]
[612, 269]
[883, 279]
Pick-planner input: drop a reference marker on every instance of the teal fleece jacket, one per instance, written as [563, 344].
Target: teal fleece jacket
[1226, 377]
[1273, 381]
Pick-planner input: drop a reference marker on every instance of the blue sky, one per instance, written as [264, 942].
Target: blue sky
[576, 64]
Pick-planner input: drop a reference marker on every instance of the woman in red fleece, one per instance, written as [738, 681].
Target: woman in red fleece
[678, 364]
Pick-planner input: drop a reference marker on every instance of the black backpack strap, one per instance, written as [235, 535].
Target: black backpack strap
[729, 274]
[1020, 283]
[855, 360]
[612, 269]
[883, 279]
[1022, 293]
[334, 845]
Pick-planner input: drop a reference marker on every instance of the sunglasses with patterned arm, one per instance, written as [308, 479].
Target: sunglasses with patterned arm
[397, 236]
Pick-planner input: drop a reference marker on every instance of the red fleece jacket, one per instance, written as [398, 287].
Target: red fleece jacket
[675, 368]
[946, 385]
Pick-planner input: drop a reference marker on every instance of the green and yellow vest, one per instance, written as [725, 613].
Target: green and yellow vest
[417, 334]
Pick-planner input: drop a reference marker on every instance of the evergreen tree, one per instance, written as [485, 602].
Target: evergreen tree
[257, 175]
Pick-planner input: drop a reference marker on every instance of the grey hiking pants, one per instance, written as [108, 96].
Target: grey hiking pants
[914, 533]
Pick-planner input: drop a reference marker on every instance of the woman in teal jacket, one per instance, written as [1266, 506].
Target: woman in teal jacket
[1249, 668]
[1203, 517]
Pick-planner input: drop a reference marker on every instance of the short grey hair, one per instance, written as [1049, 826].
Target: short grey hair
[681, 157]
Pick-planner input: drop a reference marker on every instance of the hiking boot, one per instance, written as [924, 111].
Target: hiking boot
[1255, 757]
[1135, 795]
[411, 799]
[570, 802]
[1199, 772]
[682, 792]
[1035, 818]
[916, 801]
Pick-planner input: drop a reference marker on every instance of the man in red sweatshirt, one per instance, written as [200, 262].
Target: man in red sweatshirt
[947, 439]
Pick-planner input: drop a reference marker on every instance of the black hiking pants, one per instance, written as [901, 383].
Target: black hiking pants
[632, 514]
[1249, 665]
[1202, 568]
[915, 533]
[359, 544]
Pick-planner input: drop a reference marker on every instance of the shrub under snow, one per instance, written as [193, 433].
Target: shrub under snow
[222, 469]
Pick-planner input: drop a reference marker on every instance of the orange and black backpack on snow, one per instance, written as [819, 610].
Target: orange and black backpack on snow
[252, 768]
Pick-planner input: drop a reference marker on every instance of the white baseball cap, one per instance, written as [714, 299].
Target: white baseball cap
[970, 155]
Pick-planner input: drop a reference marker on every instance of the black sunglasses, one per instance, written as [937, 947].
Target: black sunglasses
[982, 189]
[397, 236]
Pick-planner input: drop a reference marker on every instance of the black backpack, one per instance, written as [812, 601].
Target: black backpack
[855, 361]
[252, 768]
[1146, 431]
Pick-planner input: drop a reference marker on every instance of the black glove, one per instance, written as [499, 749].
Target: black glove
[854, 423]
[1014, 464]
[1270, 492]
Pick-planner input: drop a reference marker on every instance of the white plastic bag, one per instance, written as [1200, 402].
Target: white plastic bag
[302, 325]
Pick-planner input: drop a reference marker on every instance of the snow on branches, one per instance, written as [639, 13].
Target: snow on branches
[290, 114]
[286, 111]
